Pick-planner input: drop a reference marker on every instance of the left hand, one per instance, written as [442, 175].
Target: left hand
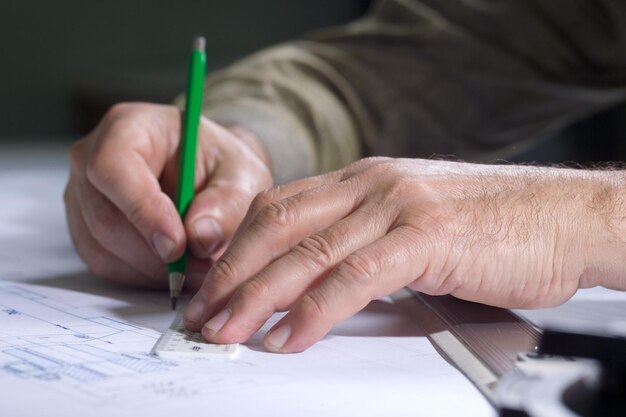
[322, 248]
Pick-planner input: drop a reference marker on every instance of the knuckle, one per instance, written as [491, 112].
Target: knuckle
[223, 273]
[398, 187]
[379, 171]
[402, 186]
[376, 160]
[117, 115]
[314, 306]
[127, 119]
[263, 198]
[275, 214]
[379, 167]
[318, 249]
[254, 290]
[367, 163]
[118, 110]
[358, 269]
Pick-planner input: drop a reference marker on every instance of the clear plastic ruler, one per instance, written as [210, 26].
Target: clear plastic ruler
[178, 342]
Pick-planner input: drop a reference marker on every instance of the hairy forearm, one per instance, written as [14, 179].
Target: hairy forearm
[584, 210]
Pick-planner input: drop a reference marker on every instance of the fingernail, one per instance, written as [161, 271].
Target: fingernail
[277, 338]
[163, 245]
[216, 323]
[208, 233]
[194, 310]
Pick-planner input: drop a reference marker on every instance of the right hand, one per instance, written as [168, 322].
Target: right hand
[118, 199]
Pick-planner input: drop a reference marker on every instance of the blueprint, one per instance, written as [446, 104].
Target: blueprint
[57, 350]
[95, 360]
[44, 341]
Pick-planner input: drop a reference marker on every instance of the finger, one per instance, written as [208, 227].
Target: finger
[274, 231]
[216, 212]
[110, 228]
[124, 165]
[281, 192]
[284, 281]
[100, 262]
[371, 272]
[225, 206]
[236, 175]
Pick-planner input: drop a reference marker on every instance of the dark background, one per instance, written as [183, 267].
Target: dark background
[64, 62]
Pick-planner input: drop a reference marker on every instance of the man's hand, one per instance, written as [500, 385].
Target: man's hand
[323, 247]
[123, 176]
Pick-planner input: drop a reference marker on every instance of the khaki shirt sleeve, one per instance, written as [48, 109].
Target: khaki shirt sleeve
[475, 79]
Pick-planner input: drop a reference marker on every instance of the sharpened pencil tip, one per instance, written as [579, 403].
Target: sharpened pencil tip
[174, 303]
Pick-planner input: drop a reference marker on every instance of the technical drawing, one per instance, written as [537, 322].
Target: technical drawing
[70, 353]
[80, 363]
[45, 339]
[41, 339]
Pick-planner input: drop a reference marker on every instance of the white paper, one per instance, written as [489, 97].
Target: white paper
[58, 351]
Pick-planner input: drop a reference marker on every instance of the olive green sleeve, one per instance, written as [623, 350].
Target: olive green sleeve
[478, 80]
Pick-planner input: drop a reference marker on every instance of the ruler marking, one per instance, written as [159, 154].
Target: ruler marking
[178, 342]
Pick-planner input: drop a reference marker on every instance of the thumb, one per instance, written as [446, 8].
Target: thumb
[236, 175]
[213, 217]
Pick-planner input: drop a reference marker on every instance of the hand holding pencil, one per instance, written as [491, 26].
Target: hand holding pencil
[120, 196]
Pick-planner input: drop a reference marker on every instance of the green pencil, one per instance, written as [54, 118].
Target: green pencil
[187, 155]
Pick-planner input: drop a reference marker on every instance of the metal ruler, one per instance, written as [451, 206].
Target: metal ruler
[178, 342]
[483, 342]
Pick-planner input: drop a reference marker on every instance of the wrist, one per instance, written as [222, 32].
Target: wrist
[605, 205]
